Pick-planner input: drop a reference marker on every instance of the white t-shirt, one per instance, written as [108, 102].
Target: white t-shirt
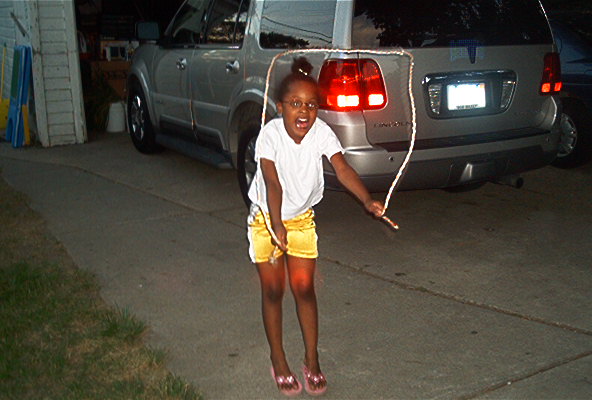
[299, 166]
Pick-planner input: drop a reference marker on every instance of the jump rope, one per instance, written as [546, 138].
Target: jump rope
[402, 168]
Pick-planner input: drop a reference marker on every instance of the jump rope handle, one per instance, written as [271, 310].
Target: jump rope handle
[390, 223]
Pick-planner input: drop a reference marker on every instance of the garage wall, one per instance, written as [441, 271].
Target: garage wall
[49, 27]
[8, 38]
[56, 73]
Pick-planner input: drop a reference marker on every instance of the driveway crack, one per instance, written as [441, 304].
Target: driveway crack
[461, 300]
[525, 376]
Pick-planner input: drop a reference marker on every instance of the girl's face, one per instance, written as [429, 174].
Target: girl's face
[299, 109]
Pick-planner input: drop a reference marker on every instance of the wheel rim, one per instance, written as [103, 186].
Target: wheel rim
[137, 119]
[250, 163]
[569, 136]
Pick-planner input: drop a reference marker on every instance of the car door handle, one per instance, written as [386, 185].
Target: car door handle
[233, 67]
[181, 63]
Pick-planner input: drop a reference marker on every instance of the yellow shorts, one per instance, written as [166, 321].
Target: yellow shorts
[302, 237]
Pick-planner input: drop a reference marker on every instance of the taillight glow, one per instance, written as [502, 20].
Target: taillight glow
[348, 101]
[373, 84]
[546, 88]
[350, 84]
[375, 99]
[551, 80]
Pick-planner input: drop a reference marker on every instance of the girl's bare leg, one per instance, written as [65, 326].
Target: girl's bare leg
[273, 284]
[301, 274]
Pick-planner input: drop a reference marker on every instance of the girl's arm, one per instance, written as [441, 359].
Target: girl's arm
[352, 182]
[274, 201]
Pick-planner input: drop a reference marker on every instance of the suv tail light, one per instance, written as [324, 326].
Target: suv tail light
[351, 84]
[551, 82]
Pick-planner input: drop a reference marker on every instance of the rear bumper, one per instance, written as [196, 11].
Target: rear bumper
[446, 167]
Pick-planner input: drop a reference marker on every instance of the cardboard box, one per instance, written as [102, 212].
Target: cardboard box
[115, 50]
[115, 72]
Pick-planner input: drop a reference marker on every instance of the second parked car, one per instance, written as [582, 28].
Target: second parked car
[573, 35]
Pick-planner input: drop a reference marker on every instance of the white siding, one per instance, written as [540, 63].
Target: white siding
[58, 38]
[50, 29]
[56, 73]
[8, 38]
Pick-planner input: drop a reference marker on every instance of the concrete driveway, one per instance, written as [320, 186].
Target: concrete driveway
[484, 294]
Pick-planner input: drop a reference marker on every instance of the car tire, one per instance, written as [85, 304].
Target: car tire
[246, 165]
[575, 145]
[139, 123]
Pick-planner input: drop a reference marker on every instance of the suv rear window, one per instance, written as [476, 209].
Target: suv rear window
[297, 23]
[445, 23]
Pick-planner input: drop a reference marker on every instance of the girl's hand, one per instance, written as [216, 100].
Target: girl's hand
[280, 231]
[374, 207]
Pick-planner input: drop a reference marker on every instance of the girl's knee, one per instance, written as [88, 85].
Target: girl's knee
[273, 293]
[303, 289]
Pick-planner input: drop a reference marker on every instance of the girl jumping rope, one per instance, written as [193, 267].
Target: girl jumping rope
[287, 184]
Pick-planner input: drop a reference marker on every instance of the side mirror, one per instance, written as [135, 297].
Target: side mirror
[148, 30]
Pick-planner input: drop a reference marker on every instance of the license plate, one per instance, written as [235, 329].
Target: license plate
[466, 96]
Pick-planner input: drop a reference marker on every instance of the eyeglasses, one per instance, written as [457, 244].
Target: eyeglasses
[298, 104]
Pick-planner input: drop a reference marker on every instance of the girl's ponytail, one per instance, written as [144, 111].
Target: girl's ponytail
[300, 71]
[301, 66]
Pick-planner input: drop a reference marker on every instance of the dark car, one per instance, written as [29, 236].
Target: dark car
[573, 36]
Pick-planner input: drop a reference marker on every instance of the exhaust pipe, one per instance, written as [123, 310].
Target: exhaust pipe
[512, 180]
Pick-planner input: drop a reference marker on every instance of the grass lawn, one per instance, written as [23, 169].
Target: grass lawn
[58, 339]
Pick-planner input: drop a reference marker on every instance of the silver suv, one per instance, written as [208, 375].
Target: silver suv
[486, 84]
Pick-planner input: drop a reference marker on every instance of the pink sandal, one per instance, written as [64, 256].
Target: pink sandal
[287, 380]
[315, 379]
